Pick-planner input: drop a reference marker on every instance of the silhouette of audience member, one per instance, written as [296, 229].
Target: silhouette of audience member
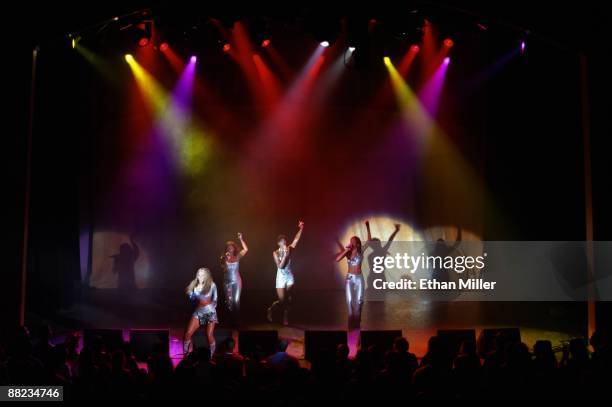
[467, 370]
[22, 367]
[228, 363]
[281, 360]
[371, 377]
[432, 379]
[400, 362]
[124, 265]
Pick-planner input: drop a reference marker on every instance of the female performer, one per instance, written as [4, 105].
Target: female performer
[355, 285]
[230, 262]
[203, 292]
[284, 276]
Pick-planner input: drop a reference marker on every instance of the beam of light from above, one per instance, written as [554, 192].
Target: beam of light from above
[306, 77]
[155, 96]
[407, 60]
[429, 49]
[325, 85]
[172, 116]
[430, 93]
[281, 131]
[477, 81]
[279, 62]
[242, 53]
[416, 117]
[191, 143]
[270, 84]
[173, 59]
[445, 180]
[173, 121]
[98, 63]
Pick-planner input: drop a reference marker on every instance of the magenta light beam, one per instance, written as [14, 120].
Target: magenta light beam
[429, 95]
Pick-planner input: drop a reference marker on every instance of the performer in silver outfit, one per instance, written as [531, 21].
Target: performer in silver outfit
[284, 275]
[232, 282]
[203, 292]
[355, 284]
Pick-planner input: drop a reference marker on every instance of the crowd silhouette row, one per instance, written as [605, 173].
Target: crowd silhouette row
[510, 372]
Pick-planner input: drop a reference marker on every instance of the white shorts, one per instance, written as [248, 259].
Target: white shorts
[284, 278]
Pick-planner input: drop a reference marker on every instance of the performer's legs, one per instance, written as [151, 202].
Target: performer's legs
[192, 326]
[237, 294]
[348, 289]
[210, 333]
[280, 293]
[287, 304]
[359, 289]
[229, 295]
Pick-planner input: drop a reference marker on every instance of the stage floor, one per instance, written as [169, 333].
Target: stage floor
[325, 310]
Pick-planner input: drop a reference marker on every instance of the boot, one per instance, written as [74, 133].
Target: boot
[212, 346]
[186, 345]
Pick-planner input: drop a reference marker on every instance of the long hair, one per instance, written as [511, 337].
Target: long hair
[207, 281]
[222, 258]
[359, 246]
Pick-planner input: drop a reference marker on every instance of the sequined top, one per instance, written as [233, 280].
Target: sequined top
[232, 271]
[211, 295]
[355, 261]
[281, 255]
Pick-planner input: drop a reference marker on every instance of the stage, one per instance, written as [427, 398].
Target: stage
[324, 310]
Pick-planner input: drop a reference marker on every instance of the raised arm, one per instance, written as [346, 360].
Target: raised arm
[340, 245]
[245, 248]
[390, 239]
[367, 223]
[298, 235]
[345, 251]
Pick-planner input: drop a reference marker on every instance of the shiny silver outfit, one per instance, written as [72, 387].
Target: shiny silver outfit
[284, 276]
[354, 288]
[284, 279]
[233, 286]
[205, 314]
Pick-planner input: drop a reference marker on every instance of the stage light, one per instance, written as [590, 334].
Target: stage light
[73, 43]
[227, 47]
[163, 46]
[194, 59]
[143, 33]
[265, 43]
[325, 44]
[523, 46]
[387, 61]
[351, 49]
[415, 48]
[447, 60]
[448, 43]
[129, 58]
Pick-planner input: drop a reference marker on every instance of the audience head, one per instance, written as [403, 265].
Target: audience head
[401, 345]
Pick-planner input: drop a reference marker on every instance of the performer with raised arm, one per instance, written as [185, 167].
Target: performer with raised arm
[202, 291]
[284, 275]
[232, 282]
[355, 284]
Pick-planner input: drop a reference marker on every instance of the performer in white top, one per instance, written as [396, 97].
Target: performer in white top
[284, 276]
